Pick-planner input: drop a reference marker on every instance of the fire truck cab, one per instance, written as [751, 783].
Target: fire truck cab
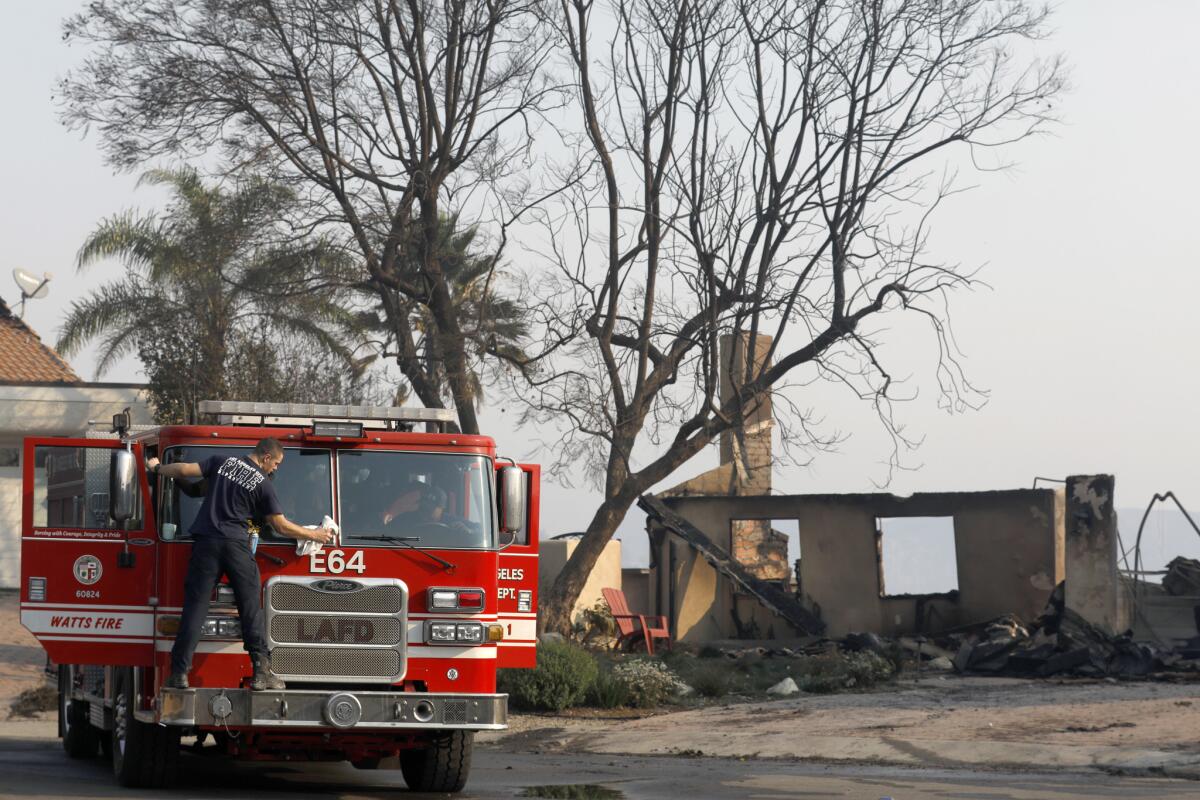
[388, 638]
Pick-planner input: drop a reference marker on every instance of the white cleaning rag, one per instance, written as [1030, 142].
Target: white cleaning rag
[306, 547]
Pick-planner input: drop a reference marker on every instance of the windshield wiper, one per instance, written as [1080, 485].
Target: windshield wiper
[407, 541]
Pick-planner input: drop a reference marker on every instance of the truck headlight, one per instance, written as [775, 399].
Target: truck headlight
[442, 631]
[221, 628]
[470, 632]
[454, 633]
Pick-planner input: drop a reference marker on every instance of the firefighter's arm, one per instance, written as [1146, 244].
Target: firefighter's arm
[286, 527]
[178, 470]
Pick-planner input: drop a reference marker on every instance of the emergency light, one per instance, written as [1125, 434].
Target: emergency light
[337, 430]
[444, 599]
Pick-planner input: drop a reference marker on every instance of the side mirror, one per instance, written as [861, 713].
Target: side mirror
[122, 483]
[511, 490]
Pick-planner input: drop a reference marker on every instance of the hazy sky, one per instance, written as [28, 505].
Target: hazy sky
[1087, 339]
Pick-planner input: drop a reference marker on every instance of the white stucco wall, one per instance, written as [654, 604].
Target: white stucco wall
[50, 411]
[10, 522]
[553, 555]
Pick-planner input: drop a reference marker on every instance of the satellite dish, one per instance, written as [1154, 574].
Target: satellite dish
[32, 287]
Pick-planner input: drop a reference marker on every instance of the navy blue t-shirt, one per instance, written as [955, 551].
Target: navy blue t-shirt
[238, 491]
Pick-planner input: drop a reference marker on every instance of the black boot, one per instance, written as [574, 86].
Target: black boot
[263, 680]
[176, 681]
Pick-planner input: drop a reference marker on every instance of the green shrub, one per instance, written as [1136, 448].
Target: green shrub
[649, 683]
[608, 691]
[711, 680]
[834, 672]
[595, 622]
[564, 675]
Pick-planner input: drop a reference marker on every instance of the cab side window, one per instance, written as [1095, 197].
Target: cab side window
[70, 489]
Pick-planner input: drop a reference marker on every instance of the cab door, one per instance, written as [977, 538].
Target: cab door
[87, 583]
[517, 585]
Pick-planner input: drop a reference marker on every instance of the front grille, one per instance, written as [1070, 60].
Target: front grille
[350, 636]
[335, 662]
[288, 629]
[454, 712]
[371, 600]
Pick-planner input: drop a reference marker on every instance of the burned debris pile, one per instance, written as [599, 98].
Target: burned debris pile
[1182, 578]
[1059, 641]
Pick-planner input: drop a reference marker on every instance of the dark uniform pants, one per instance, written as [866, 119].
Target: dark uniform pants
[213, 557]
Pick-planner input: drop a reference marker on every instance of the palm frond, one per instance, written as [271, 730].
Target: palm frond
[138, 241]
[114, 306]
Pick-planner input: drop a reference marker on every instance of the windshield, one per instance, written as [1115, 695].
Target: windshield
[301, 482]
[443, 500]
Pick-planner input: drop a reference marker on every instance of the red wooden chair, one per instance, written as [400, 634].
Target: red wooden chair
[632, 627]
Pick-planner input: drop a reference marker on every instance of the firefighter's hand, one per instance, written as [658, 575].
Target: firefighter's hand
[321, 535]
[151, 464]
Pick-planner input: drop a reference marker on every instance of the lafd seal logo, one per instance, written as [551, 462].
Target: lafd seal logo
[88, 570]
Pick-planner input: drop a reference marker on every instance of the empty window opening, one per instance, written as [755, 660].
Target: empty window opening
[916, 555]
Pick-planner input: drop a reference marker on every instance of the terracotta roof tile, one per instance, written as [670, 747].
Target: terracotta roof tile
[23, 357]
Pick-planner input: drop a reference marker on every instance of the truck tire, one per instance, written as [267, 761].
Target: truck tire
[143, 755]
[440, 766]
[79, 738]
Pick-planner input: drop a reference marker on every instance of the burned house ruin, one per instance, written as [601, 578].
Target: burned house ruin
[719, 566]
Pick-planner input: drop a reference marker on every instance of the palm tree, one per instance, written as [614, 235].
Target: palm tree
[217, 265]
[491, 323]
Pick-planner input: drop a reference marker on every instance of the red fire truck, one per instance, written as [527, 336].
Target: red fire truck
[389, 638]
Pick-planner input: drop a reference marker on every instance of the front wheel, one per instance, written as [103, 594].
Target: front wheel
[440, 766]
[79, 738]
[143, 755]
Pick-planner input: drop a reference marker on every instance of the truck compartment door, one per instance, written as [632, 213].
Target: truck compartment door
[517, 590]
[87, 583]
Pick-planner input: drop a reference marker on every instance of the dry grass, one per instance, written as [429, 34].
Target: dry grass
[31, 702]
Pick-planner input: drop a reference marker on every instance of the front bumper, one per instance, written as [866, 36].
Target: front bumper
[332, 710]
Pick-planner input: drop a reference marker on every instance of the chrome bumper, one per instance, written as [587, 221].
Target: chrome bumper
[332, 709]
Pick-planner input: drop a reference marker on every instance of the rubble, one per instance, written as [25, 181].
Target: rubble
[1183, 577]
[1059, 641]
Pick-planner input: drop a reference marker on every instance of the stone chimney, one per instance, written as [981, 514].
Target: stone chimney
[745, 469]
[746, 449]
[747, 452]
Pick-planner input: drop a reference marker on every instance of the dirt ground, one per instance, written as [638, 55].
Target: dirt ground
[951, 721]
[942, 720]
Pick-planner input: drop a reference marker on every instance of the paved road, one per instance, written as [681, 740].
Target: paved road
[33, 766]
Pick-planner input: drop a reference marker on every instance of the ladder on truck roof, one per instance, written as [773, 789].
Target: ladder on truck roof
[238, 412]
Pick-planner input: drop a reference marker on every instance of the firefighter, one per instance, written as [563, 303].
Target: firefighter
[239, 489]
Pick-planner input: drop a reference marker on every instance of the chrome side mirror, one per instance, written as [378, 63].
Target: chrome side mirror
[511, 491]
[122, 485]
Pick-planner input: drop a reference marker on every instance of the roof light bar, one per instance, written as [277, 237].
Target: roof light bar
[235, 412]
